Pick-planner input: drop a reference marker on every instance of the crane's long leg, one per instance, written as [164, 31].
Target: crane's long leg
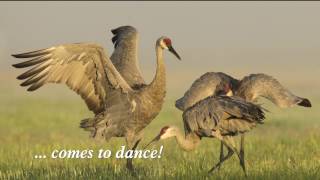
[224, 142]
[229, 141]
[242, 162]
[230, 153]
[129, 160]
[221, 154]
[132, 141]
[230, 144]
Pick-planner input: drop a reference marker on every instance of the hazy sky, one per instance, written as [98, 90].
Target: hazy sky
[278, 38]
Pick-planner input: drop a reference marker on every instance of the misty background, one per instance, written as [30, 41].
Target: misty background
[277, 38]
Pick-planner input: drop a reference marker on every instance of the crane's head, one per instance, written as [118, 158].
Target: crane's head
[165, 43]
[224, 90]
[165, 132]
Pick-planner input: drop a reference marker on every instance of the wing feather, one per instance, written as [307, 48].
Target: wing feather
[261, 85]
[83, 67]
[124, 56]
[207, 85]
[212, 111]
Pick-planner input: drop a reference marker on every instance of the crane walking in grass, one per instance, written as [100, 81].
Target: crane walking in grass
[218, 117]
[112, 88]
[250, 88]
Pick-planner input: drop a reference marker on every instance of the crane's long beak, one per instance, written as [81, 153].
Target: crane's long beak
[171, 49]
[157, 138]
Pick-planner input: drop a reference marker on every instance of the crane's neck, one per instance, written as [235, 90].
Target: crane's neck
[188, 142]
[158, 85]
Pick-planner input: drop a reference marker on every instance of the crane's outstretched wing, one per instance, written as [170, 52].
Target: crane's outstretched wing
[83, 67]
[214, 111]
[125, 57]
[261, 85]
[207, 85]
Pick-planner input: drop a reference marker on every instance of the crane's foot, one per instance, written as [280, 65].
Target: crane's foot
[217, 166]
[131, 169]
[243, 167]
[129, 165]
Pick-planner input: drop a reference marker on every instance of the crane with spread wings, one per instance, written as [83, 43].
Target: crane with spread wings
[112, 88]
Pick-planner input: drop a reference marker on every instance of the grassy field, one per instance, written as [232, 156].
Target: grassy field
[287, 146]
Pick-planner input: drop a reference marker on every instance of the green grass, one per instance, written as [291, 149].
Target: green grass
[287, 146]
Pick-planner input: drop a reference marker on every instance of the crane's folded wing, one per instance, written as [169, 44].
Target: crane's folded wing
[210, 112]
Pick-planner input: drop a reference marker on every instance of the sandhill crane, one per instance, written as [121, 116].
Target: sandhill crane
[218, 117]
[249, 88]
[113, 89]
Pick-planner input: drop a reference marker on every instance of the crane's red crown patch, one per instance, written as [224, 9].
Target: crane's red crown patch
[164, 129]
[167, 41]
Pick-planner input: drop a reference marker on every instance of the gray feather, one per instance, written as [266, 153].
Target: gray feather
[212, 111]
[261, 85]
[207, 85]
[124, 56]
[83, 67]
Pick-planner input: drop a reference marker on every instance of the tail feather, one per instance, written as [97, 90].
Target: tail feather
[305, 102]
[179, 104]
[88, 125]
[98, 127]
